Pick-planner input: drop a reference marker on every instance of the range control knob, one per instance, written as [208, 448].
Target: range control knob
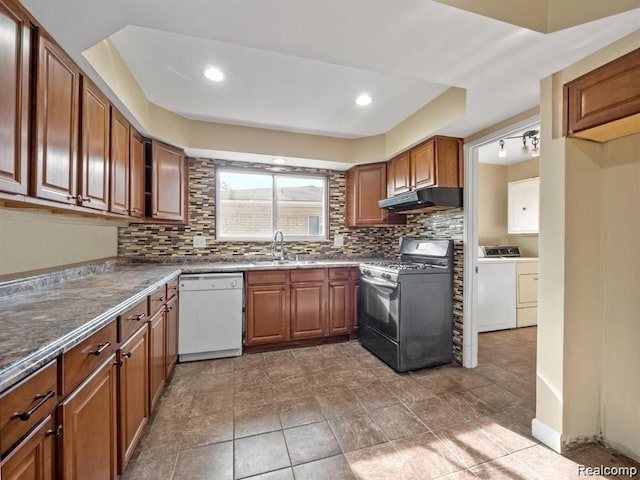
[386, 276]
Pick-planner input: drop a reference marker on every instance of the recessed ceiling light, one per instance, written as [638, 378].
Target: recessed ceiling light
[214, 74]
[279, 161]
[363, 99]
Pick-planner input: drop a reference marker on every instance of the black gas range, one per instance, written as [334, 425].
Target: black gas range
[405, 307]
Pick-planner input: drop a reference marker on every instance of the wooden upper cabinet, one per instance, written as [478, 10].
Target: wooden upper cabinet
[169, 182]
[399, 174]
[15, 50]
[120, 153]
[57, 110]
[94, 164]
[605, 103]
[136, 171]
[423, 165]
[366, 185]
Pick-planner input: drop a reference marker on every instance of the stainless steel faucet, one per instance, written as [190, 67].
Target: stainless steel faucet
[274, 251]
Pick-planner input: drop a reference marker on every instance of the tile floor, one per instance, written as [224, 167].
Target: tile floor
[336, 412]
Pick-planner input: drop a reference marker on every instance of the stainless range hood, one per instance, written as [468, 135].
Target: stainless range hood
[426, 199]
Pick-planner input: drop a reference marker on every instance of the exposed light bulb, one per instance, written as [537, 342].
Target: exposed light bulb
[535, 151]
[364, 99]
[502, 152]
[214, 74]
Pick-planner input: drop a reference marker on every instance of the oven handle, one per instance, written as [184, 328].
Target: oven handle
[379, 283]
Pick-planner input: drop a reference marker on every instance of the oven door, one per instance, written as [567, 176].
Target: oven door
[379, 305]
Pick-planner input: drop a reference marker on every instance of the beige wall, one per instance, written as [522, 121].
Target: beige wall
[31, 241]
[588, 327]
[620, 226]
[492, 204]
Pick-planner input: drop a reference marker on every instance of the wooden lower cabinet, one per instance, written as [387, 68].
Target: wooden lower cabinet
[171, 348]
[33, 458]
[339, 307]
[267, 314]
[88, 417]
[355, 292]
[157, 366]
[133, 394]
[308, 310]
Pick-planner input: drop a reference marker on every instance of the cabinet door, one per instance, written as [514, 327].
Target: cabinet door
[88, 417]
[524, 199]
[157, 368]
[267, 314]
[168, 182]
[15, 50]
[133, 393]
[423, 165]
[527, 290]
[172, 335]
[33, 458]
[136, 178]
[119, 164]
[56, 123]
[340, 309]
[496, 296]
[366, 185]
[308, 310]
[399, 174]
[94, 165]
[355, 295]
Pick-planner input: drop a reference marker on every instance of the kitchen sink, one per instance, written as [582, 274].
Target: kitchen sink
[283, 262]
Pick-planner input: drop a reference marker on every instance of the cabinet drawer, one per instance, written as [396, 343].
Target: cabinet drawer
[527, 317]
[79, 362]
[157, 300]
[308, 275]
[267, 277]
[172, 288]
[34, 398]
[528, 290]
[339, 273]
[355, 273]
[131, 320]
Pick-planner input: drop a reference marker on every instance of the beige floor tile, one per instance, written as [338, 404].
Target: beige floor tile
[332, 468]
[378, 463]
[397, 421]
[260, 454]
[311, 442]
[212, 462]
[356, 431]
[428, 456]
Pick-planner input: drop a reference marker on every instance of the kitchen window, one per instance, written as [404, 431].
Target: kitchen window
[252, 205]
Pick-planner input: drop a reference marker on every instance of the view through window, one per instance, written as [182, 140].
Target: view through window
[252, 205]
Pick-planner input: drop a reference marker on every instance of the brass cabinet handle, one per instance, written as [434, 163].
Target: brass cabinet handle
[56, 431]
[101, 348]
[43, 398]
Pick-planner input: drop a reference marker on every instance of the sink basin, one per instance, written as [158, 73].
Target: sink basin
[282, 262]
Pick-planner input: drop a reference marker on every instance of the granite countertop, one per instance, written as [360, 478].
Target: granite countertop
[39, 324]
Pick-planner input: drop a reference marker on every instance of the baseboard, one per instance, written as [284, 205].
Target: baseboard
[546, 435]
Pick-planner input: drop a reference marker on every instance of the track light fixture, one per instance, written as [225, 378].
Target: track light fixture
[529, 134]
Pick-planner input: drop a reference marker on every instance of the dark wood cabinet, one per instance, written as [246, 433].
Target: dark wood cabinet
[33, 458]
[604, 104]
[120, 153]
[171, 348]
[366, 185]
[355, 292]
[157, 366]
[15, 58]
[339, 307]
[136, 174]
[133, 393]
[88, 417]
[308, 309]
[423, 165]
[168, 183]
[267, 314]
[56, 122]
[398, 174]
[94, 159]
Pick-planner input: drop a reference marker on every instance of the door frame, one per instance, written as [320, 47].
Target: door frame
[470, 307]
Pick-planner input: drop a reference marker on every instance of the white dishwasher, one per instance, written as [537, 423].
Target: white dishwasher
[210, 321]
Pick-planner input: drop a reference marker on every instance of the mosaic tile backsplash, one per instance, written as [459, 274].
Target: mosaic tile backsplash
[148, 242]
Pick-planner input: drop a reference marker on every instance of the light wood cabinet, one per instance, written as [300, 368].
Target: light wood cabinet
[15, 57]
[157, 366]
[120, 166]
[523, 206]
[604, 104]
[366, 185]
[133, 393]
[168, 183]
[33, 458]
[88, 417]
[94, 159]
[56, 124]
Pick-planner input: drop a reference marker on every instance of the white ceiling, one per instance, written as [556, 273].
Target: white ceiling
[297, 65]
[488, 153]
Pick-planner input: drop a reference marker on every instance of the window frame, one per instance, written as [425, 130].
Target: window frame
[274, 207]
